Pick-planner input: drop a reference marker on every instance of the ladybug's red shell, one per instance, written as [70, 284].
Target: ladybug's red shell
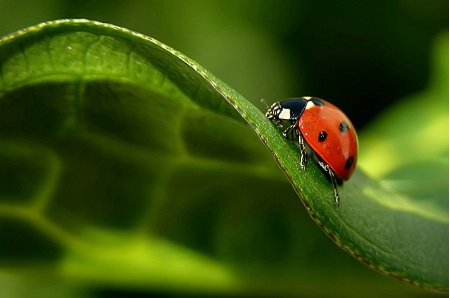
[331, 135]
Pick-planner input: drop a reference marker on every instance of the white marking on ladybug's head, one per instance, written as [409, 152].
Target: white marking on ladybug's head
[285, 114]
[310, 105]
[307, 97]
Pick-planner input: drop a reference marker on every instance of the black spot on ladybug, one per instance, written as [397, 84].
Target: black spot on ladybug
[343, 127]
[322, 136]
[349, 163]
[317, 102]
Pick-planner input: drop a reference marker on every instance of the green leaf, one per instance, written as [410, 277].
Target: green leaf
[125, 163]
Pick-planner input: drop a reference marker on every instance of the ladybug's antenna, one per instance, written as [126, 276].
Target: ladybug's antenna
[265, 103]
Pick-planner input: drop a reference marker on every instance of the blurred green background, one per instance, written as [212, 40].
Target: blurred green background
[361, 55]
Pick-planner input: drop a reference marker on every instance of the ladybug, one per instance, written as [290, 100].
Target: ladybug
[322, 129]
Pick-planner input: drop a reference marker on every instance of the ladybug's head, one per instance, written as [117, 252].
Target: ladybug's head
[273, 114]
[288, 110]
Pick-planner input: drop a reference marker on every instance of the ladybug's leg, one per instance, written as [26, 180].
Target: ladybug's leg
[301, 144]
[330, 172]
[292, 133]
